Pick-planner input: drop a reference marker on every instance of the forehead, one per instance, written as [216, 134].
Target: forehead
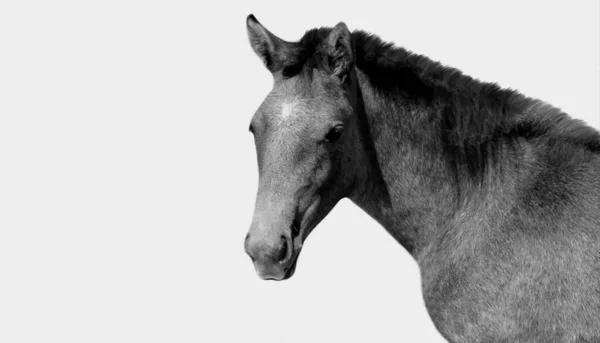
[298, 97]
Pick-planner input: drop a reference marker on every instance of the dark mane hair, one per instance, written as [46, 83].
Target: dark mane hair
[476, 120]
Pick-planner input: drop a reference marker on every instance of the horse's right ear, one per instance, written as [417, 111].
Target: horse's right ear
[271, 49]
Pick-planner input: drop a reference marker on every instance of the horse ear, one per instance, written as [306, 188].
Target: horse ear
[271, 49]
[340, 51]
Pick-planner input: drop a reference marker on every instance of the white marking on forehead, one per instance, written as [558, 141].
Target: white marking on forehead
[287, 108]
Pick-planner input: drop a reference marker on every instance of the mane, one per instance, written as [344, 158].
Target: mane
[475, 120]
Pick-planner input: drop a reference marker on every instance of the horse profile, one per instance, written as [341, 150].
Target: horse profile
[494, 194]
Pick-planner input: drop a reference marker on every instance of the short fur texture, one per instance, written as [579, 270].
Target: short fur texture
[495, 195]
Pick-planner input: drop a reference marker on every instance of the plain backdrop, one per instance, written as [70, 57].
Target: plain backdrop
[128, 175]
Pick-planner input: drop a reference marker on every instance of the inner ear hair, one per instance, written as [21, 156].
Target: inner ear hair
[341, 51]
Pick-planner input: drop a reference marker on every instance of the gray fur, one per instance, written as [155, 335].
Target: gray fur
[508, 247]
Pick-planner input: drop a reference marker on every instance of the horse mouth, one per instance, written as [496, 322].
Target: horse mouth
[291, 269]
[288, 272]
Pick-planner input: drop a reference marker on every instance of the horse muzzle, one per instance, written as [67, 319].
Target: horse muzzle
[274, 259]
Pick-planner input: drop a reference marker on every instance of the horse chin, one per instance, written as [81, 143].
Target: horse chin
[268, 274]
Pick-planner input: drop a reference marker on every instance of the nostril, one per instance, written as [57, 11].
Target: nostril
[247, 248]
[284, 249]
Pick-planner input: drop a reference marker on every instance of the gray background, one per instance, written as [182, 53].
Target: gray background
[128, 176]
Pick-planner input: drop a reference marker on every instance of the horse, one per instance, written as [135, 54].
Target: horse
[495, 195]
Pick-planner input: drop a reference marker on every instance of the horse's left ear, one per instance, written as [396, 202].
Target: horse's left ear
[340, 51]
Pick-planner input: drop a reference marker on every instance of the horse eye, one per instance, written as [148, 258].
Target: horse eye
[251, 128]
[334, 134]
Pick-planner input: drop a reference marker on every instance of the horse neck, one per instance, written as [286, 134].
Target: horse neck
[407, 186]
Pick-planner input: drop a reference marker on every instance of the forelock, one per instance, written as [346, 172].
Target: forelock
[308, 53]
